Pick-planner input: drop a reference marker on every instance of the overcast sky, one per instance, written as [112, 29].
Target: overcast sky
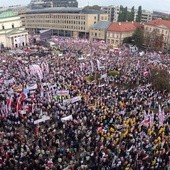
[163, 5]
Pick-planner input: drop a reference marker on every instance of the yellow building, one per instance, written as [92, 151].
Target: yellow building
[162, 27]
[117, 31]
[98, 31]
[12, 34]
[73, 22]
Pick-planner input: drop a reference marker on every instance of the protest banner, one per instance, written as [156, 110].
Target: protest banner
[75, 99]
[67, 118]
[63, 92]
[43, 119]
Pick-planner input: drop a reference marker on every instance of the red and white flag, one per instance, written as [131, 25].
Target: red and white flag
[145, 121]
[19, 102]
[151, 119]
[161, 116]
[9, 102]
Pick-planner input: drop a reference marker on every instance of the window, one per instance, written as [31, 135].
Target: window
[3, 27]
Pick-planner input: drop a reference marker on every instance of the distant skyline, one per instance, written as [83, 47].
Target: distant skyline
[163, 5]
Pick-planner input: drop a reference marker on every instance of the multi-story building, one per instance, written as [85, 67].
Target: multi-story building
[117, 31]
[110, 11]
[162, 27]
[64, 3]
[146, 16]
[37, 4]
[63, 21]
[12, 34]
[116, 13]
[160, 14]
[113, 13]
[98, 31]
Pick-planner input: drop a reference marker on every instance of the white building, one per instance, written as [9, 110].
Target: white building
[12, 34]
[146, 16]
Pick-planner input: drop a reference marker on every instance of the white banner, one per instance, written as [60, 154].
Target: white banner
[66, 101]
[43, 119]
[63, 92]
[7, 82]
[67, 118]
[75, 99]
[103, 76]
[33, 87]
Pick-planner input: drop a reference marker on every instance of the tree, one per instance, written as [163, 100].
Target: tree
[132, 14]
[160, 79]
[121, 14]
[154, 40]
[125, 14]
[138, 37]
[139, 15]
[127, 40]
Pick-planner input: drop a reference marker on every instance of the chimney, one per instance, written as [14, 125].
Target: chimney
[119, 23]
[132, 22]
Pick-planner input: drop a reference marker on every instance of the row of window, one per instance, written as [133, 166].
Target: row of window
[111, 41]
[3, 27]
[58, 22]
[104, 18]
[96, 34]
[109, 34]
[56, 16]
[70, 27]
[161, 31]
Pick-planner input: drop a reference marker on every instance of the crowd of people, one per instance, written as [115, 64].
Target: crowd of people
[54, 117]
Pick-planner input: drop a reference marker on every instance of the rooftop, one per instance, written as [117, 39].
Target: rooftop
[123, 26]
[159, 22]
[101, 25]
[7, 14]
[64, 10]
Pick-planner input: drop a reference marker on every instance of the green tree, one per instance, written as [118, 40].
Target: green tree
[154, 40]
[132, 14]
[160, 79]
[121, 14]
[139, 15]
[138, 37]
[127, 40]
[125, 14]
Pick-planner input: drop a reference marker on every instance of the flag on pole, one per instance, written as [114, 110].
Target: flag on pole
[160, 116]
[151, 119]
[145, 121]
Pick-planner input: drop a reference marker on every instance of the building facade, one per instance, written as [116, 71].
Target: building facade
[72, 22]
[146, 16]
[117, 31]
[110, 11]
[160, 14]
[98, 31]
[12, 34]
[39, 4]
[162, 27]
